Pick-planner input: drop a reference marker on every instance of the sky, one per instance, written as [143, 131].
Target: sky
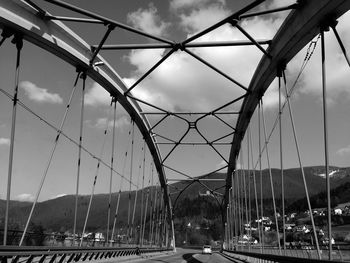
[180, 84]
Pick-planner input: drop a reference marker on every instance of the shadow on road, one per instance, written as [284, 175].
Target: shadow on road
[189, 259]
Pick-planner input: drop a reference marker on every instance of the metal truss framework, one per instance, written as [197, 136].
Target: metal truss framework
[48, 32]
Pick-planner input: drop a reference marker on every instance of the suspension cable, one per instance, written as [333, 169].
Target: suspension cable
[79, 156]
[255, 188]
[120, 187]
[131, 166]
[95, 179]
[146, 206]
[20, 103]
[301, 167]
[281, 162]
[135, 200]
[249, 191]
[261, 180]
[245, 193]
[270, 175]
[310, 51]
[50, 159]
[19, 44]
[150, 211]
[114, 100]
[142, 189]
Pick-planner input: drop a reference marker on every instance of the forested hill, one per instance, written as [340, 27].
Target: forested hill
[57, 214]
[339, 195]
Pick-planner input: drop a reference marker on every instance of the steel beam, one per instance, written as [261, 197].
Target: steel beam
[61, 41]
[300, 27]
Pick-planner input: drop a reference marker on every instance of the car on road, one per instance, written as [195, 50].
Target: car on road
[206, 249]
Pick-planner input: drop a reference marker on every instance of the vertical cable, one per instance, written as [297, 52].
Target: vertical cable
[238, 198]
[154, 213]
[95, 181]
[145, 213]
[326, 152]
[261, 180]
[19, 44]
[245, 196]
[120, 188]
[83, 76]
[229, 218]
[142, 189]
[49, 160]
[301, 166]
[150, 211]
[135, 202]
[281, 162]
[271, 180]
[114, 100]
[233, 209]
[164, 223]
[131, 166]
[119, 194]
[255, 190]
[249, 191]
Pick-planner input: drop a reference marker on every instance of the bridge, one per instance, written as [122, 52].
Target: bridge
[228, 96]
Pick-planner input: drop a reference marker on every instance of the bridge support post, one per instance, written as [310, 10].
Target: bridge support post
[325, 132]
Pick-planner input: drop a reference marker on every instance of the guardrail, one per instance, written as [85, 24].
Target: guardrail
[267, 257]
[69, 254]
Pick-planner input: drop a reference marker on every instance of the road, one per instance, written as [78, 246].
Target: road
[187, 256]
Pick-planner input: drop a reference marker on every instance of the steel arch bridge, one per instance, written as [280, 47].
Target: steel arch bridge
[28, 20]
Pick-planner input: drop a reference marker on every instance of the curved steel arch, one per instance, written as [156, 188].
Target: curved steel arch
[58, 39]
[300, 27]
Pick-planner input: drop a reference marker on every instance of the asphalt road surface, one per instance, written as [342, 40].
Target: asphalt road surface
[187, 256]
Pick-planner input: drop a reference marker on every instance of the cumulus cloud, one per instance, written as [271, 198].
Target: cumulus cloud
[203, 17]
[97, 96]
[337, 70]
[4, 141]
[148, 20]
[25, 197]
[344, 151]
[39, 94]
[102, 123]
[182, 4]
[184, 83]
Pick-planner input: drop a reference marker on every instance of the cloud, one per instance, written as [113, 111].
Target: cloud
[25, 198]
[39, 94]
[344, 151]
[97, 96]
[182, 4]
[202, 17]
[102, 123]
[182, 82]
[337, 70]
[148, 20]
[4, 141]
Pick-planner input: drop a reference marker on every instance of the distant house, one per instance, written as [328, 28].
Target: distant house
[343, 205]
[338, 211]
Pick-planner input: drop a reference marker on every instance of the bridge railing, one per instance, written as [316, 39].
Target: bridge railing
[15, 254]
[272, 254]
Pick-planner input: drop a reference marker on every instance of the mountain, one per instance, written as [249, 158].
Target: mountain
[294, 187]
[339, 195]
[58, 214]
